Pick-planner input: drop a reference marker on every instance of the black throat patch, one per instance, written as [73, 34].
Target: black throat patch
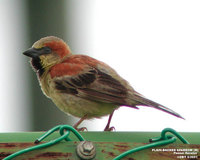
[36, 63]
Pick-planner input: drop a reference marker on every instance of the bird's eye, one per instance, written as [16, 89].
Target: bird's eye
[47, 50]
[43, 50]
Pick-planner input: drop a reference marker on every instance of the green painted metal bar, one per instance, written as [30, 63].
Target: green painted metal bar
[108, 146]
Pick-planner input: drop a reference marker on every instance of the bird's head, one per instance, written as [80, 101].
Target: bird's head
[47, 52]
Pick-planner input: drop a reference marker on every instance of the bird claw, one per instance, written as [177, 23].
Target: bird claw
[81, 129]
[110, 129]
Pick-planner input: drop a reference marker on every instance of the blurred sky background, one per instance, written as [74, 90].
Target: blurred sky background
[155, 45]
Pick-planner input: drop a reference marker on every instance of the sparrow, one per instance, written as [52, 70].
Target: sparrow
[82, 86]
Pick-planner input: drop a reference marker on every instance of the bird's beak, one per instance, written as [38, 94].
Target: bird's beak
[36, 52]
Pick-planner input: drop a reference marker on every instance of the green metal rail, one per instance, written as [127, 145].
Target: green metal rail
[108, 145]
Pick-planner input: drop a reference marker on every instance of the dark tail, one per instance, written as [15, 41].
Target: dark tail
[140, 100]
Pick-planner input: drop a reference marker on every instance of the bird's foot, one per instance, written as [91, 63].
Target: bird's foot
[109, 129]
[81, 129]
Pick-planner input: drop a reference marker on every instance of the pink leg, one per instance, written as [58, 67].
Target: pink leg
[108, 128]
[79, 122]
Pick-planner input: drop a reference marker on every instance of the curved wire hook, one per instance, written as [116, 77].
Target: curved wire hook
[164, 136]
[163, 140]
[64, 135]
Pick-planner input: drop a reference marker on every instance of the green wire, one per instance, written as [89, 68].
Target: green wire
[61, 128]
[67, 127]
[163, 140]
[164, 131]
[52, 142]
[46, 134]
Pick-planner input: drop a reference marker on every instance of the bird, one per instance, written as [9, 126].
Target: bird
[82, 86]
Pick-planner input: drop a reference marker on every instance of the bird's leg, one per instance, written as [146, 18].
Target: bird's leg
[79, 122]
[108, 128]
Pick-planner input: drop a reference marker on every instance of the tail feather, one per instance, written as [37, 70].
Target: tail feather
[149, 103]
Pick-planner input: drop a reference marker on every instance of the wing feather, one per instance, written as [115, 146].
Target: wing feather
[93, 84]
